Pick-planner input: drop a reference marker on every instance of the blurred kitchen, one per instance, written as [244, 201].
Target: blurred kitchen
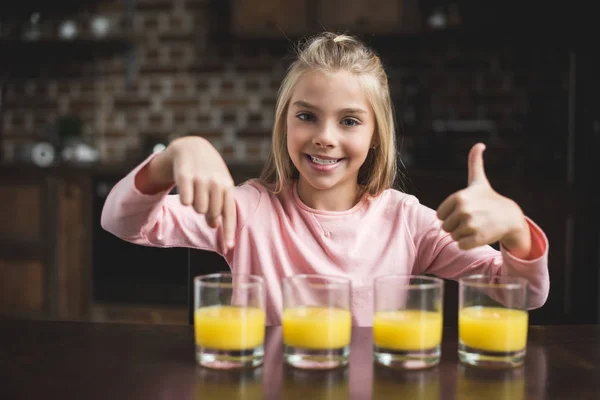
[89, 88]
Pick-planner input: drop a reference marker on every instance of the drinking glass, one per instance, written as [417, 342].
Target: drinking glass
[317, 321]
[492, 321]
[408, 320]
[229, 320]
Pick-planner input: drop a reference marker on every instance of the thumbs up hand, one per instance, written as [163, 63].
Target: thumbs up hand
[478, 215]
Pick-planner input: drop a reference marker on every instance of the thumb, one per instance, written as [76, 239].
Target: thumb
[476, 170]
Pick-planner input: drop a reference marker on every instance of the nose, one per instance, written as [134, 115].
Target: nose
[324, 137]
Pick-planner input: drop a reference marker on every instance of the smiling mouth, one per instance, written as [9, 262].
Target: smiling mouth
[323, 161]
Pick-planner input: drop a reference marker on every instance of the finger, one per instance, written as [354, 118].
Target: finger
[452, 221]
[468, 242]
[446, 208]
[462, 231]
[229, 217]
[476, 169]
[215, 205]
[201, 196]
[185, 186]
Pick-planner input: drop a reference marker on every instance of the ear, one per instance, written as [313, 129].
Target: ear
[374, 141]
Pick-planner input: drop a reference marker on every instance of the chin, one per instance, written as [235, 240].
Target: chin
[325, 182]
[320, 185]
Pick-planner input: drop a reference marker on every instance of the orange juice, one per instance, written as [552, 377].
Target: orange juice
[317, 328]
[493, 328]
[229, 327]
[407, 329]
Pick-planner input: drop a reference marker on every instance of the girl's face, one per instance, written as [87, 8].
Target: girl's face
[330, 127]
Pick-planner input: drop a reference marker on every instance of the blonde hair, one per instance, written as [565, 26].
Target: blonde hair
[330, 52]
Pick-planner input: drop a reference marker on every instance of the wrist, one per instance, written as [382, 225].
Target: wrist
[518, 240]
[157, 175]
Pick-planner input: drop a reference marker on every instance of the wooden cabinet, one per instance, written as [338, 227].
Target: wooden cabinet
[73, 246]
[369, 16]
[23, 277]
[44, 245]
[270, 18]
[22, 287]
[20, 213]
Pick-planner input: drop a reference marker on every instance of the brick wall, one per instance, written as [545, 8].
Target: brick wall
[183, 86]
[186, 85]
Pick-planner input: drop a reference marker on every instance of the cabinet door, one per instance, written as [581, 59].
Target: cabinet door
[369, 16]
[73, 247]
[270, 18]
[20, 214]
[22, 248]
[22, 284]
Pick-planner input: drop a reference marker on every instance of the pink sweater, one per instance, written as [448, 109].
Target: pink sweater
[279, 236]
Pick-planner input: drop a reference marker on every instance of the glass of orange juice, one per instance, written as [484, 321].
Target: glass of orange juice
[492, 321]
[229, 320]
[408, 320]
[317, 321]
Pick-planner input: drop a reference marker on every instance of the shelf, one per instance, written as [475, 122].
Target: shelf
[45, 7]
[55, 57]
[64, 58]
[38, 48]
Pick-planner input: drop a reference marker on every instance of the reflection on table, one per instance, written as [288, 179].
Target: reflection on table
[364, 379]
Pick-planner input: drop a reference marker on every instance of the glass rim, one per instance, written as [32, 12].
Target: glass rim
[327, 280]
[434, 282]
[487, 281]
[252, 280]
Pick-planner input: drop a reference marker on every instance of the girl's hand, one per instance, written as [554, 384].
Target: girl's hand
[202, 178]
[478, 215]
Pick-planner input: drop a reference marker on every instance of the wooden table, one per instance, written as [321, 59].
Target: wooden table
[85, 361]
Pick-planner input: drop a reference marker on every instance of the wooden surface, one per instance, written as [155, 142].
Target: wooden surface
[78, 360]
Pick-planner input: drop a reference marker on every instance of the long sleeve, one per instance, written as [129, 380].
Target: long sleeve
[439, 254]
[160, 220]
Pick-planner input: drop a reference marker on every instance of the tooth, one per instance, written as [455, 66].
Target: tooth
[321, 161]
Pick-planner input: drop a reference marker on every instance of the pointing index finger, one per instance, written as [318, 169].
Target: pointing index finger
[229, 217]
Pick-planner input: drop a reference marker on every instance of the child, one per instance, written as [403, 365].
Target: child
[324, 203]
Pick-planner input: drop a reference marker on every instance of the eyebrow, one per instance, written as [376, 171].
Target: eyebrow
[304, 104]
